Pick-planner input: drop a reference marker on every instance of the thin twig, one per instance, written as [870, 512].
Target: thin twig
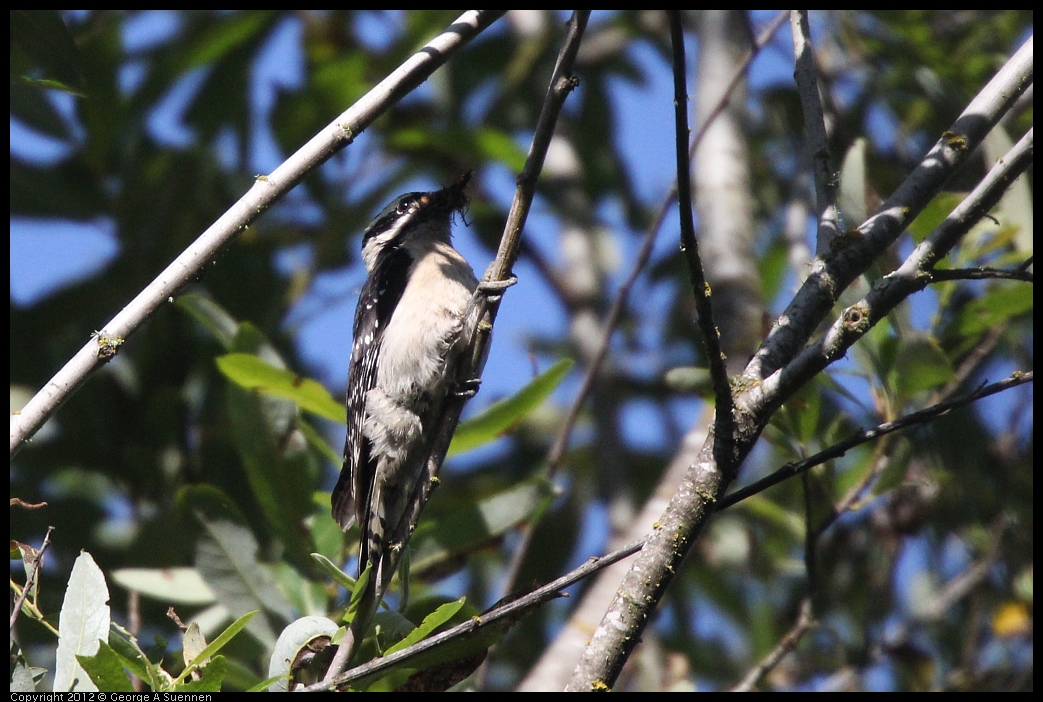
[804, 75]
[983, 273]
[265, 191]
[483, 309]
[562, 83]
[724, 423]
[865, 435]
[805, 623]
[34, 572]
[481, 312]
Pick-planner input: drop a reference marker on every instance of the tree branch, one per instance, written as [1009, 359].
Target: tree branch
[509, 609]
[983, 273]
[724, 424]
[912, 276]
[826, 211]
[865, 435]
[557, 451]
[265, 191]
[30, 581]
[831, 274]
[481, 312]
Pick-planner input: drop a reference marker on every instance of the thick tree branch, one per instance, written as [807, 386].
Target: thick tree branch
[913, 275]
[831, 274]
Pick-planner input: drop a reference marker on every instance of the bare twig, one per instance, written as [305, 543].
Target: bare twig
[561, 441]
[265, 191]
[983, 273]
[724, 424]
[34, 573]
[865, 435]
[805, 623]
[562, 83]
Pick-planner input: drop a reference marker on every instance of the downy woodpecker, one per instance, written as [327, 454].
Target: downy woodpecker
[406, 338]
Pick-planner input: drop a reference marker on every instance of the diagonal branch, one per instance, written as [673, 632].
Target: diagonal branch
[481, 312]
[872, 434]
[913, 275]
[265, 191]
[30, 581]
[556, 663]
[508, 609]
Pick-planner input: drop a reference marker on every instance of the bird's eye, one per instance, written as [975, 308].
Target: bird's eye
[404, 205]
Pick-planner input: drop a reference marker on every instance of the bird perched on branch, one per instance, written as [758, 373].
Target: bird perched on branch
[407, 338]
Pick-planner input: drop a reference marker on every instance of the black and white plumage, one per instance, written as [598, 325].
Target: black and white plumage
[406, 336]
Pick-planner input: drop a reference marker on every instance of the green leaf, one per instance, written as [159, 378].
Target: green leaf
[221, 325]
[40, 37]
[497, 145]
[500, 416]
[210, 677]
[316, 441]
[282, 473]
[431, 623]
[82, 625]
[330, 569]
[933, 215]
[920, 365]
[995, 308]
[222, 36]
[252, 373]
[106, 670]
[453, 660]
[357, 594]
[124, 645]
[218, 643]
